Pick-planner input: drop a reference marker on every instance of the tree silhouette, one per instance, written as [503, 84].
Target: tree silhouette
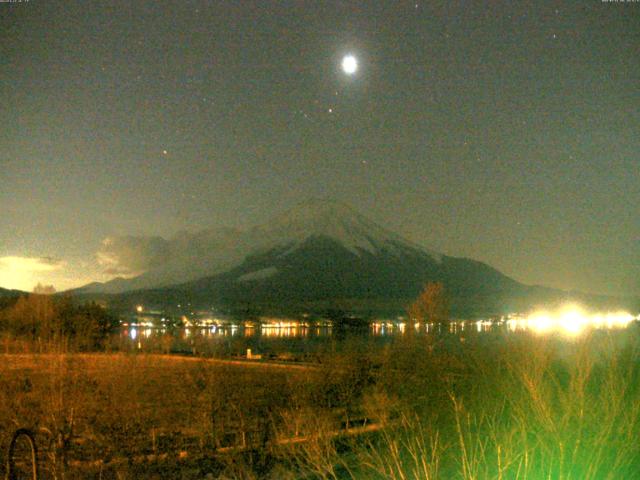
[58, 321]
[41, 289]
[431, 305]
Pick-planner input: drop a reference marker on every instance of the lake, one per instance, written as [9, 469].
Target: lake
[292, 339]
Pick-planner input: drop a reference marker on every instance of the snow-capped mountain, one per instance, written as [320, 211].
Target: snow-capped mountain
[318, 253]
[189, 257]
[333, 220]
[318, 256]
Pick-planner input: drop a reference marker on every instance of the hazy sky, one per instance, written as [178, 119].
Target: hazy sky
[508, 132]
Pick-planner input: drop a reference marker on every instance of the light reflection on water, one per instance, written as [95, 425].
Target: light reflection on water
[265, 331]
[543, 325]
[568, 322]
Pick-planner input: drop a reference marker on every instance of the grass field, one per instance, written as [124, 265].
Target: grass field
[513, 406]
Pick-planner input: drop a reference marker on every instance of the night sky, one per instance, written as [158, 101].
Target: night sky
[508, 132]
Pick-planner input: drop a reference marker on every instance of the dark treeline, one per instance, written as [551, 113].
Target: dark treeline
[53, 322]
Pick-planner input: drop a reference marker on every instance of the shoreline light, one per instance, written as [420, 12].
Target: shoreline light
[571, 320]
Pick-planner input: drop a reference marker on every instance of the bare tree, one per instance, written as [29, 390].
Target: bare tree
[431, 305]
[41, 289]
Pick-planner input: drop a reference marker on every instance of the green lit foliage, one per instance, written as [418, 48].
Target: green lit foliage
[521, 407]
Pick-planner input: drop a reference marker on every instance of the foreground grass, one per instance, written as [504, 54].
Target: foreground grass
[523, 408]
[491, 407]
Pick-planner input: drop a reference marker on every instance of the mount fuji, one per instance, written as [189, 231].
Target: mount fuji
[317, 255]
[192, 256]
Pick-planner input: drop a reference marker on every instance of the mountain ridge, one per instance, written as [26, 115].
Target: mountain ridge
[313, 257]
[208, 252]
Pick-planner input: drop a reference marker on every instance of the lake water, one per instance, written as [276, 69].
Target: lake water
[301, 340]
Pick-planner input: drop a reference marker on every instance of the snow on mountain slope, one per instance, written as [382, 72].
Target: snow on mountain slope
[336, 221]
[258, 274]
[190, 256]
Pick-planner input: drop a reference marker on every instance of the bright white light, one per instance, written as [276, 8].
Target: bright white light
[349, 64]
[571, 320]
[540, 322]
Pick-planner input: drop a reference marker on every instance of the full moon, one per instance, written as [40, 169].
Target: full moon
[349, 64]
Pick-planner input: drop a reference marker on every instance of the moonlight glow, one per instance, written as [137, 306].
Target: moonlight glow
[349, 64]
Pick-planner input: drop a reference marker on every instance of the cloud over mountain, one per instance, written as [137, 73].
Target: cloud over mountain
[131, 255]
[152, 262]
